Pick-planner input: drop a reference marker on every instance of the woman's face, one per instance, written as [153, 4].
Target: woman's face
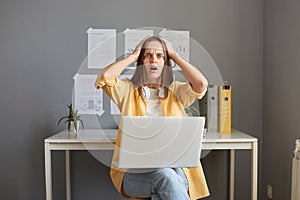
[153, 61]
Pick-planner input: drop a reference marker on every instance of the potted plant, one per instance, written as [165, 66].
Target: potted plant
[73, 119]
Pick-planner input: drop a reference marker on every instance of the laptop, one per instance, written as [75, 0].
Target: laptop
[158, 142]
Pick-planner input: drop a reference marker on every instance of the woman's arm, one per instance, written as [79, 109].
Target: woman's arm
[115, 69]
[193, 75]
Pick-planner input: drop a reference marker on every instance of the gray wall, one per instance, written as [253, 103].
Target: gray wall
[281, 93]
[43, 43]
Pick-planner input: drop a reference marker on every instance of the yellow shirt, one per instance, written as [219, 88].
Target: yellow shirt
[127, 98]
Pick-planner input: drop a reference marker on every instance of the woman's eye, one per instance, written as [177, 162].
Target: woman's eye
[147, 56]
[160, 56]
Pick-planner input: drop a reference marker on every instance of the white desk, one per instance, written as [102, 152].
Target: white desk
[103, 140]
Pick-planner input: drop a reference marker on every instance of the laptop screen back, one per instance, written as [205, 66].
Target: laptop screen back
[157, 142]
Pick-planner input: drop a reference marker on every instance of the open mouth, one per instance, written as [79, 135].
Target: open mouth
[153, 68]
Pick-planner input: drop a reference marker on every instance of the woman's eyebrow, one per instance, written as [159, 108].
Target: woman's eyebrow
[157, 51]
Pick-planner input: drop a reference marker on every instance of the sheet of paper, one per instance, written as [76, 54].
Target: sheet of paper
[87, 99]
[101, 47]
[114, 110]
[132, 39]
[180, 41]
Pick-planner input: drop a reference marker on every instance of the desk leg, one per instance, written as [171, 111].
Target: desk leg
[48, 173]
[68, 182]
[232, 158]
[254, 160]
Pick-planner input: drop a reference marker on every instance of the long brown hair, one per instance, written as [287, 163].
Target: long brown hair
[167, 73]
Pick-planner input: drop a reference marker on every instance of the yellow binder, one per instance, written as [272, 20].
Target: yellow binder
[225, 109]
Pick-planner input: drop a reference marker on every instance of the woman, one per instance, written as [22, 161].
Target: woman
[152, 91]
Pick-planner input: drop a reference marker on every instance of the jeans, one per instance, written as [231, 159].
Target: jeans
[160, 184]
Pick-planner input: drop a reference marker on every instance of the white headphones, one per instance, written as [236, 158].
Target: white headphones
[146, 92]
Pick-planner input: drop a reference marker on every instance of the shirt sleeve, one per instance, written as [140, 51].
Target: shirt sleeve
[113, 87]
[185, 93]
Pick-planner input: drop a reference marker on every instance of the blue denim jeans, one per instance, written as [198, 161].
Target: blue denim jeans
[160, 184]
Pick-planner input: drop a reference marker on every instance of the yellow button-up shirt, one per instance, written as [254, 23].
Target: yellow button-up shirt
[128, 99]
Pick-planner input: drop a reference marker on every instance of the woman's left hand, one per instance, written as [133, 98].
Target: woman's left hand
[169, 46]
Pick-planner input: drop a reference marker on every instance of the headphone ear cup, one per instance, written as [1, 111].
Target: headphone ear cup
[146, 92]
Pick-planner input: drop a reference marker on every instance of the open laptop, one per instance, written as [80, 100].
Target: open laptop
[158, 142]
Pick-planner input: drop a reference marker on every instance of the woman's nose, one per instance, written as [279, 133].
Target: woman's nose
[154, 58]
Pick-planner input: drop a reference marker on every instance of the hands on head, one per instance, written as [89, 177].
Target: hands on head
[138, 48]
[169, 47]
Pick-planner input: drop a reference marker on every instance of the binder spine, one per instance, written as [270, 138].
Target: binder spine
[225, 109]
[208, 106]
[213, 108]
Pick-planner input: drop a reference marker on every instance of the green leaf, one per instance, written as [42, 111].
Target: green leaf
[71, 116]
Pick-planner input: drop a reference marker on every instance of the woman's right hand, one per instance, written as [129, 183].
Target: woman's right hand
[115, 69]
[138, 48]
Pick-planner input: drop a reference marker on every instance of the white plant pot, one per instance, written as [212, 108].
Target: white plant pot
[72, 127]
